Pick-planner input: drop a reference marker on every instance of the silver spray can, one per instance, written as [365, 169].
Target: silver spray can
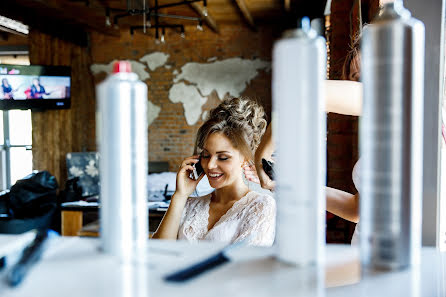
[123, 147]
[299, 126]
[391, 140]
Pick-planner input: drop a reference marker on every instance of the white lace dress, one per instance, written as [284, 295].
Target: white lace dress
[252, 217]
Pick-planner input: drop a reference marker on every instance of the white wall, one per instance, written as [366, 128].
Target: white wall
[431, 13]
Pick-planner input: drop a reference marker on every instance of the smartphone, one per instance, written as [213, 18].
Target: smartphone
[268, 167]
[198, 170]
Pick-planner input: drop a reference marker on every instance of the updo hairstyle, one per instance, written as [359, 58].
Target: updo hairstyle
[241, 120]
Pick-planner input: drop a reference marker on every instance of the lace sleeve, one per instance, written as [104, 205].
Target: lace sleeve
[259, 224]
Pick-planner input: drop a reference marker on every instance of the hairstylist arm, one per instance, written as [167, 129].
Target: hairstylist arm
[343, 204]
[185, 185]
[343, 97]
[264, 151]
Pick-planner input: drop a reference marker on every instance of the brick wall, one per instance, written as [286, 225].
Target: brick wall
[170, 137]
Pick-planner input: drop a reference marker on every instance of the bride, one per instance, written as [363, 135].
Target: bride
[225, 144]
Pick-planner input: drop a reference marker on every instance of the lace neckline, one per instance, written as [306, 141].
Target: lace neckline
[223, 217]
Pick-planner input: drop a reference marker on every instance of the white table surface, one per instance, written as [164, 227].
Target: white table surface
[73, 266]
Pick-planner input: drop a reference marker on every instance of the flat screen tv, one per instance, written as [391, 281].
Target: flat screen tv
[35, 87]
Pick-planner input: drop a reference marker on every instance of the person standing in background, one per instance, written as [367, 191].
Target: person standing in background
[343, 97]
[8, 92]
[37, 90]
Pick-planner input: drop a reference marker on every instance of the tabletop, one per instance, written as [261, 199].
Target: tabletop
[74, 266]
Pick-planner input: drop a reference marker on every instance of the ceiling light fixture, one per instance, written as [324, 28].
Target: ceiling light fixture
[151, 16]
[200, 26]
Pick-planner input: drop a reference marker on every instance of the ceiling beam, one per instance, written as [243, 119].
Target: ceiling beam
[8, 30]
[210, 21]
[63, 12]
[246, 14]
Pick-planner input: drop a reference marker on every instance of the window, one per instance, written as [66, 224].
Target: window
[15, 138]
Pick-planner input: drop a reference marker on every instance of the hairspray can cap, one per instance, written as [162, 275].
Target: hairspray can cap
[122, 66]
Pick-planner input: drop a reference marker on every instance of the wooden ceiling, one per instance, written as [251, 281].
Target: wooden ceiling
[90, 15]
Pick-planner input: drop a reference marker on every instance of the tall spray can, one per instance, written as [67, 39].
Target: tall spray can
[123, 146]
[391, 140]
[299, 126]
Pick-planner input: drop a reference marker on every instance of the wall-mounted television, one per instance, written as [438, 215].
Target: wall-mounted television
[35, 87]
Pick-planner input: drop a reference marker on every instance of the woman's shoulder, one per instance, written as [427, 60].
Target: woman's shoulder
[259, 207]
[193, 201]
[256, 198]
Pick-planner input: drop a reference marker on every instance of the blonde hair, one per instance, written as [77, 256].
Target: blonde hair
[241, 120]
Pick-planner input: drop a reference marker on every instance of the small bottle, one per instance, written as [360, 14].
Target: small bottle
[299, 125]
[123, 166]
[391, 140]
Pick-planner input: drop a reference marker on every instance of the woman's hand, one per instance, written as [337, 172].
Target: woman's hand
[186, 185]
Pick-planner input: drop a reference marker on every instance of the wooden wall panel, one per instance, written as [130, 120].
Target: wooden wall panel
[58, 132]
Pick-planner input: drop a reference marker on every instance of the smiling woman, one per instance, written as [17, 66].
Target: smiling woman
[225, 144]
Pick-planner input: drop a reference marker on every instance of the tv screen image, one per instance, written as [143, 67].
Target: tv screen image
[34, 87]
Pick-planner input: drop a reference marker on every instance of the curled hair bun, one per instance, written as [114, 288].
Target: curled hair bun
[241, 119]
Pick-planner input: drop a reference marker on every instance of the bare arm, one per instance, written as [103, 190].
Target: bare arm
[340, 203]
[168, 228]
[343, 204]
[344, 97]
[264, 151]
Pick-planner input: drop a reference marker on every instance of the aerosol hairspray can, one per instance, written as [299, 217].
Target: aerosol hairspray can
[299, 126]
[122, 140]
[391, 140]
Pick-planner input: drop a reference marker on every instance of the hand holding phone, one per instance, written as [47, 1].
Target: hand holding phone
[198, 170]
[188, 176]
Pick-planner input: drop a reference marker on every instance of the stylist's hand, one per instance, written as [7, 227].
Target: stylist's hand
[251, 173]
[186, 185]
[264, 179]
